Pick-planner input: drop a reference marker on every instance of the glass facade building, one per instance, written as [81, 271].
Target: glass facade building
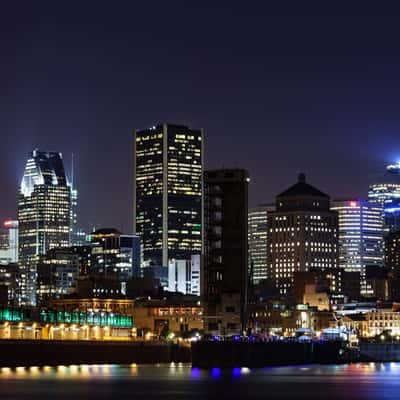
[168, 193]
[361, 231]
[387, 196]
[258, 231]
[384, 194]
[115, 254]
[44, 216]
[9, 242]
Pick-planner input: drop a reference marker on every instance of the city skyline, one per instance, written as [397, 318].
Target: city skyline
[73, 86]
[124, 225]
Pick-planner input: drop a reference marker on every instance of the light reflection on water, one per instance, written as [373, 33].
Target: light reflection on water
[177, 380]
[185, 371]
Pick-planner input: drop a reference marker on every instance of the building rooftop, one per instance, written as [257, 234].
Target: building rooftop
[106, 231]
[302, 189]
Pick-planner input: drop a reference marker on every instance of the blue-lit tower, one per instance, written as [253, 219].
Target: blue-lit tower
[387, 196]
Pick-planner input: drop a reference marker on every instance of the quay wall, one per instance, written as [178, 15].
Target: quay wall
[14, 353]
[379, 352]
[261, 354]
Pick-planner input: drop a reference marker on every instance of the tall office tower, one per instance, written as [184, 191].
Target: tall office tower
[258, 222]
[384, 194]
[303, 234]
[360, 237]
[168, 193]
[9, 242]
[44, 210]
[77, 236]
[392, 252]
[225, 272]
[74, 239]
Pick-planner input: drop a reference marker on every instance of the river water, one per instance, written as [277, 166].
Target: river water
[181, 381]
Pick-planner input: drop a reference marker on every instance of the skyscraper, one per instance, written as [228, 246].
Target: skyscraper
[392, 261]
[303, 234]
[384, 194]
[387, 195]
[360, 237]
[44, 215]
[258, 231]
[225, 273]
[168, 193]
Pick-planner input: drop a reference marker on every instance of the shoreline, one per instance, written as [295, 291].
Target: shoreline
[207, 355]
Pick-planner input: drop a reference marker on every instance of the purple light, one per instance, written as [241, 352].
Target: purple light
[216, 372]
[236, 372]
[195, 372]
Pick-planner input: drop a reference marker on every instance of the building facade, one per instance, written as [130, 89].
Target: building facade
[9, 242]
[58, 272]
[387, 197]
[303, 234]
[115, 254]
[159, 317]
[258, 231]
[44, 216]
[392, 252]
[225, 272]
[168, 194]
[392, 262]
[361, 230]
[184, 276]
[9, 284]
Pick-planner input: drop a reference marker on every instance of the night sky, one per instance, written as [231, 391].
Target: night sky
[277, 91]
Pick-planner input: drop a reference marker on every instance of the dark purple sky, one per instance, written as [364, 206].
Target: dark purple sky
[275, 93]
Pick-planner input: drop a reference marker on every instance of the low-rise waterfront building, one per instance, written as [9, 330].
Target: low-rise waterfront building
[159, 317]
[44, 324]
[381, 320]
[279, 319]
[120, 306]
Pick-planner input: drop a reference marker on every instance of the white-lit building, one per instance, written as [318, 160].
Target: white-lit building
[384, 194]
[302, 234]
[184, 276]
[9, 242]
[381, 320]
[361, 231]
[258, 231]
[44, 216]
